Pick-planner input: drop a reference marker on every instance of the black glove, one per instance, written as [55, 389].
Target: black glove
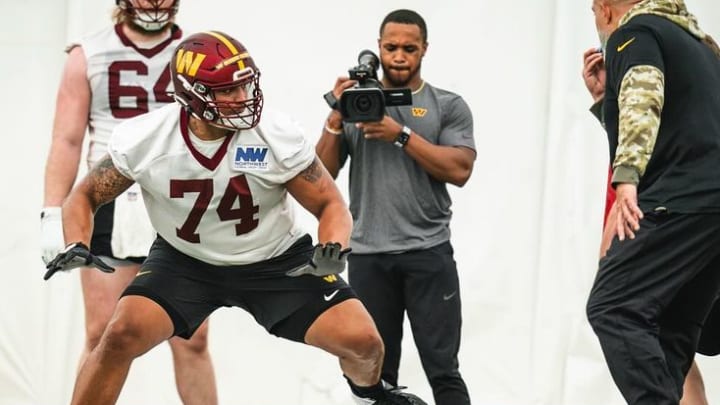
[75, 255]
[326, 259]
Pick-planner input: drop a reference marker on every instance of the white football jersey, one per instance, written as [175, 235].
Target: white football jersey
[227, 206]
[125, 81]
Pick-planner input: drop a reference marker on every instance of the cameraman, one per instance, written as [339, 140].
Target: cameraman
[402, 258]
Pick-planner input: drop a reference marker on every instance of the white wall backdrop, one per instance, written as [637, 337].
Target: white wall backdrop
[526, 226]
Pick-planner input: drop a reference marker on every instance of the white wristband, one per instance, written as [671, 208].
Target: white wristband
[51, 212]
[52, 240]
[333, 131]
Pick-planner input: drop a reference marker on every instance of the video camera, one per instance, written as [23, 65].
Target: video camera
[366, 101]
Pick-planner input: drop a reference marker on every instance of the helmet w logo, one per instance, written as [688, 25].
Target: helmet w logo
[188, 61]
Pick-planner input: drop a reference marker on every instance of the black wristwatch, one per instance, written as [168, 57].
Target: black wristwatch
[331, 100]
[403, 138]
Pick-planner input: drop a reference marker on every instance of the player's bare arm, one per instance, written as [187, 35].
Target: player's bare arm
[71, 117]
[101, 185]
[104, 182]
[313, 173]
[316, 191]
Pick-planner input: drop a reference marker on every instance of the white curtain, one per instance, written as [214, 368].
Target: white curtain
[526, 227]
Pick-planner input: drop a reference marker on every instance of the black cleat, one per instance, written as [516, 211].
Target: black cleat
[392, 396]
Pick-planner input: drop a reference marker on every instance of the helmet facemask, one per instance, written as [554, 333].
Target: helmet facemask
[152, 18]
[238, 115]
[233, 115]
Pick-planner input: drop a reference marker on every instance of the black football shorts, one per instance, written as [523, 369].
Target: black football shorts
[709, 344]
[190, 290]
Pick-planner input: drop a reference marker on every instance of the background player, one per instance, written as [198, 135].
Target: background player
[114, 74]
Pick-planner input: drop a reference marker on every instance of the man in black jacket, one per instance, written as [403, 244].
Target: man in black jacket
[661, 273]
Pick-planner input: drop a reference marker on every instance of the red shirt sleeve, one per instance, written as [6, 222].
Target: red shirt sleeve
[609, 195]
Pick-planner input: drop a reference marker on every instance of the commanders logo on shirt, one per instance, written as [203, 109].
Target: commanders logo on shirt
[250, 157]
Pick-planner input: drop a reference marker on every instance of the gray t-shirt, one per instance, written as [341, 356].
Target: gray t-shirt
[395, 204]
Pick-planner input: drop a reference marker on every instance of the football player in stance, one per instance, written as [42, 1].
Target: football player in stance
[114, 74]
[215, 180]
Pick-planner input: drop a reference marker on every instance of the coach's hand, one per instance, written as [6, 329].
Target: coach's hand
[326, 259]
[629, 213]
[75, 255]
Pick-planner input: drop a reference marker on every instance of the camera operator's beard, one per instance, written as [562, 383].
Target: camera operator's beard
[392, 78]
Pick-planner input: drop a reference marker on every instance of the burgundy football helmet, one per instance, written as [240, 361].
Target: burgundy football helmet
[211, 61]
[150, 15]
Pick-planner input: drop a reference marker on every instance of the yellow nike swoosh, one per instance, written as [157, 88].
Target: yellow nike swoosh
[623, 46]
[142, 273]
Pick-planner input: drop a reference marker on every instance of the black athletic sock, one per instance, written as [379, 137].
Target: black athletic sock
[376, 391]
